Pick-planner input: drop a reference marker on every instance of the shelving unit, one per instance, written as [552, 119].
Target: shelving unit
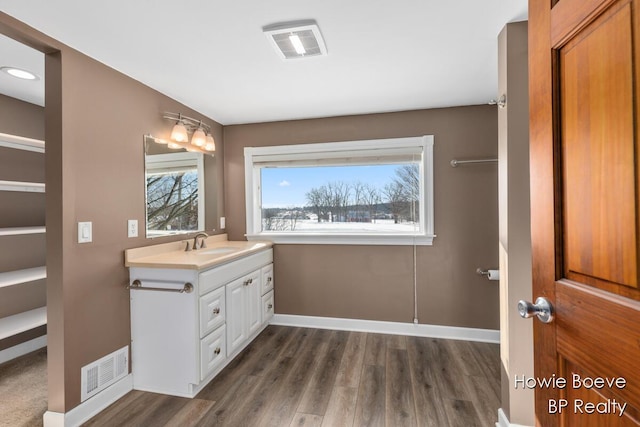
[19, 231]
[18, 277]
[31, 318]
[18, 323]
[31, 187]
[21, 143]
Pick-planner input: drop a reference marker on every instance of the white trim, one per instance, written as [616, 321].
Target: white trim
[255, 156]
[343, 239]
[91, 407]
[503, 421]
[22, 349]
[395, 328]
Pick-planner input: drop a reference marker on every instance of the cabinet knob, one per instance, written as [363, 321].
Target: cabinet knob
[269, 279]
[216, 310]
[270, 306]
[216, 351]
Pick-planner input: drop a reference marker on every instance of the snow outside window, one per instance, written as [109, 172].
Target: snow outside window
[355, 192]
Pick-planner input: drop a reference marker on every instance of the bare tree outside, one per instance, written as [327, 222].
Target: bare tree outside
[371, 199]
[172, 201]
[395, 196]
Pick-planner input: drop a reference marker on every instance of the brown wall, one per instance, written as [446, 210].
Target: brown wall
[95, 121]
[375, 282]
[21, 210]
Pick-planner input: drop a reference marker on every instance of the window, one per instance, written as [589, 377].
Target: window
[174, 190]
[355, 192]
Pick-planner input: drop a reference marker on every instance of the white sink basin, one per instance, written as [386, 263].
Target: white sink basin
[215, 251]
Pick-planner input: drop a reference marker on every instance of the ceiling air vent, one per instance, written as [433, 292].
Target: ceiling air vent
[299, 39]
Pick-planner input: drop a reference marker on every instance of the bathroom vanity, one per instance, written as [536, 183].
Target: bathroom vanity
[193, 311]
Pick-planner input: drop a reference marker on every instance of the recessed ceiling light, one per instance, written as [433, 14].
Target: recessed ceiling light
[299, 39]
[19, 73]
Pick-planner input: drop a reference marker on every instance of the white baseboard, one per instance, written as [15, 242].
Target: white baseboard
[395, 328]
[90, 407]
[503, 421]
[22, 349]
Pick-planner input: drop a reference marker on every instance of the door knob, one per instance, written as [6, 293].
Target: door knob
[542, 308]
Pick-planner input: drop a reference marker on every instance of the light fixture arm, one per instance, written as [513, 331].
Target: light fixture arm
[190, 123]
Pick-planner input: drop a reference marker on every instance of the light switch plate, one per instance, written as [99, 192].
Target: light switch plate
[132, 228]
[223, 221]
[85, 232]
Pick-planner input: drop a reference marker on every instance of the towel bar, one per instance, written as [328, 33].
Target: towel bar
[137, 284]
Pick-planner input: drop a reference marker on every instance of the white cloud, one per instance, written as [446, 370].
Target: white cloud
[284, 183]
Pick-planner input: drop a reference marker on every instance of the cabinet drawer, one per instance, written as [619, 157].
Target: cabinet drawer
[267, 279]
[212, 352]
[267, 307]
[220, 276]
[212, 311]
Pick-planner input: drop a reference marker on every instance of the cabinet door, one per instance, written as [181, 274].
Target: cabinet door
[254, 305]
[236, 309]
[212, 311]
[267, 278]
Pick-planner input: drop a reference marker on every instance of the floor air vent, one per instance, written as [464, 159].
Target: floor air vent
[100, 374]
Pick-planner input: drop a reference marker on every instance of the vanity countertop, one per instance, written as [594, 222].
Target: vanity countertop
[218, 250]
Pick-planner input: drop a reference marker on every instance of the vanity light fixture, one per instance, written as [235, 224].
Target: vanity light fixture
[19, 73]
[297, 39]
[201, 140]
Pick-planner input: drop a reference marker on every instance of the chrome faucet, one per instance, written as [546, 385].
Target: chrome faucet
[202, 243]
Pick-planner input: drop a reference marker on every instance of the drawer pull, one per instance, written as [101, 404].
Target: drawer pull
[216, 311]
[216, 351]
[270, 306]
[248, 282]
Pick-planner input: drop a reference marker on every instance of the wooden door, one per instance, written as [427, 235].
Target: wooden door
[585, 223]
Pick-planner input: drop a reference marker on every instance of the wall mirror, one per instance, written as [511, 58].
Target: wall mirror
[174, 189]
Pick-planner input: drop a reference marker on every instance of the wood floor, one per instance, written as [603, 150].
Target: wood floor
[314, 377]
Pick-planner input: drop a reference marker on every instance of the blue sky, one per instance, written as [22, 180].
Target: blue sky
[284, 187]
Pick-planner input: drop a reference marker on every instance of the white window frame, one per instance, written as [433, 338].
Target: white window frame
[254, 157]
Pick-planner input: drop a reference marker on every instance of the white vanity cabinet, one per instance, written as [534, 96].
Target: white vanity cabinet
[181, 340]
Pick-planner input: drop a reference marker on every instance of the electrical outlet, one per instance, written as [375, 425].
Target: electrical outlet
[85, 232]
[132, 228]
[223, 221]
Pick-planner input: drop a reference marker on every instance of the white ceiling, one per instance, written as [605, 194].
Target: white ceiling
[212, 55]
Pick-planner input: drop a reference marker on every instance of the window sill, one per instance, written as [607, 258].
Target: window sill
[344, 239]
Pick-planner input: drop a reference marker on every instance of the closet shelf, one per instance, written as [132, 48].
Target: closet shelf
[21, 143]
[17, 277]
[18, 323]
[19, 231]
[35, 187]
